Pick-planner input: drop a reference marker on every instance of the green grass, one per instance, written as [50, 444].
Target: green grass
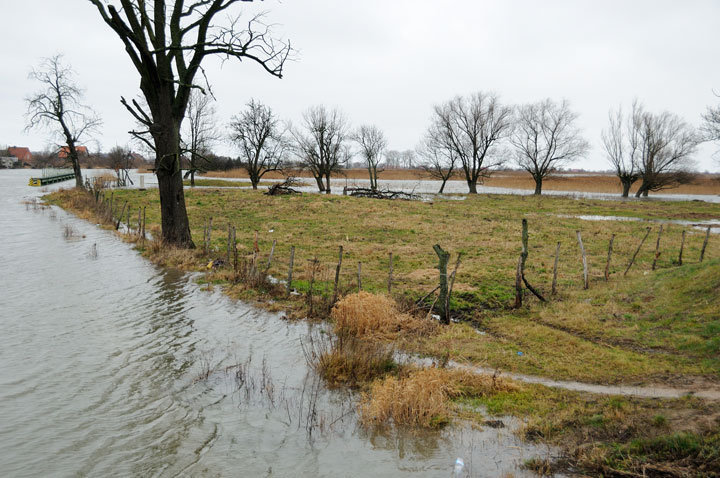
[648, 326]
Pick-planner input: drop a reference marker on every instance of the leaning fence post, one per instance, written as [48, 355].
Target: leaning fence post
[443, 258]
[290, 272]
[337, 275]
[682, 246]
[607, 264]
[518, 284]
[359, 276]
[523, 259]
[270, 257]
[120, 216]
[657, 248]
[586, 284]
[705, 243]
[555, 268]
[632, 261]
[390, 275]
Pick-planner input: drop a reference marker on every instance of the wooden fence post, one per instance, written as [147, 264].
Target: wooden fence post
[337, 274]
[390, 275]
[227, 254]
[518, 284]
[290, 272]
[657, 248]
[139, 230]
[359, 276]
[523, 259]
[586, 283]
[270, 257]
[209, 235]
[144, 223]
[120, 216]
[682, 246]
[705, 243]
[607, 264]
[555, 268]
[443, 259]
[632, 261]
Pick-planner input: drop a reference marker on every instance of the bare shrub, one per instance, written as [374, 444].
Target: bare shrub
[69, 231]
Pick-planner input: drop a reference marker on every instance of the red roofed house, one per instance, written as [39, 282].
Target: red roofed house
[65, 151]
[22, 154]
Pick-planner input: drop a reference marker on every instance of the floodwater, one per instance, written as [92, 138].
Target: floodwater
[713, 224]
[110, 366]
[430, 188]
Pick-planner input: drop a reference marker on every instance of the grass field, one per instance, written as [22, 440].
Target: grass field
[649, 327]
[585, 182]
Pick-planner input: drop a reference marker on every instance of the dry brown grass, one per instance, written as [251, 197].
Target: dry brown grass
[349, 361]
[423, 397]
[374, 316]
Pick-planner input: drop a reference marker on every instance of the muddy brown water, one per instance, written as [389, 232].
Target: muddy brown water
[110, 366]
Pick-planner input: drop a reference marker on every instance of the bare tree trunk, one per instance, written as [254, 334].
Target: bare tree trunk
[626, 184]
[472, 186]
[327, 183]
[192, 178]
[442, 186]
[174, 218]
[538, 185]
[321, 186]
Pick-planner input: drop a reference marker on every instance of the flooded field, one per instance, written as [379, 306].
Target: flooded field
[112, 366]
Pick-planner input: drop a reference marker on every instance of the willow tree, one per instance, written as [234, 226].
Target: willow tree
[167, 42]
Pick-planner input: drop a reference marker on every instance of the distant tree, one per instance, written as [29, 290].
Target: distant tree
[321, 144]
[167, 42]
[200, 132]
[259, 135]
[393, 159]
[408, 158]
[711, 124]
[58, 107]
[545, 137]
[668, 144]
[472, 127]
[437, 161]
[623, 144]
[372, 144]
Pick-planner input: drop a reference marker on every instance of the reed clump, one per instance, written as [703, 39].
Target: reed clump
[374, 316]
[423, 397]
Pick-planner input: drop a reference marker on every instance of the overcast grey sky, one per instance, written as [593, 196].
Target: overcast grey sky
[387, 62]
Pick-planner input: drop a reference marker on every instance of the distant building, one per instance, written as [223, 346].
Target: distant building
[65, 151]
[8, 162]
[22, 154]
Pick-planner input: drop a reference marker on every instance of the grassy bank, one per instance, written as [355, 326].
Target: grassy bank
[646, 327]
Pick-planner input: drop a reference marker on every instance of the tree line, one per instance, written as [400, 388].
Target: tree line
[167, 42]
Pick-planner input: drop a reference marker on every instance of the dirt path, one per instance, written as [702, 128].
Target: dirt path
[648, 391]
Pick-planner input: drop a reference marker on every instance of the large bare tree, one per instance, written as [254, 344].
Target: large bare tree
[623, 145]
[438, 161]
[58, 107]
[668, 144]
[472, 127]
[200, 132]
[259, 135]
[545, 137]
[320, 144]
[167, 42]
[372, 143]
[711, 124]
